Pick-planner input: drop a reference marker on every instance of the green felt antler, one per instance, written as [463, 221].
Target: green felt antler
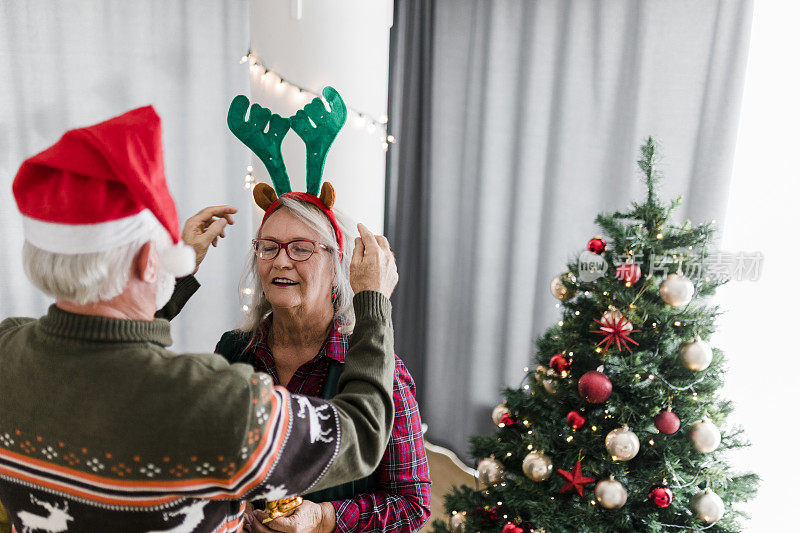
[267, 146]
[318, 128]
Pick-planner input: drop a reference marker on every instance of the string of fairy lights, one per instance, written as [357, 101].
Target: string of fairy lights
[279, 84]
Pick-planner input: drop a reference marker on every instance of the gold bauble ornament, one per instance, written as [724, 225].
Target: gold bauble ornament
[695, 354]
[622, 444]
[490, 471]
[559, 289]
[705, 436]
[610, 493]
[537, 466]
[498, 412]
[707, 506]
[676, 290]
[458, 522]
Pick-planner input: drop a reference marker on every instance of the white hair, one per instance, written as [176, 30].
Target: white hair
[85, 278]
[315, 219]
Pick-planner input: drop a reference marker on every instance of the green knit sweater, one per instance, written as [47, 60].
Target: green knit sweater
[104, 429]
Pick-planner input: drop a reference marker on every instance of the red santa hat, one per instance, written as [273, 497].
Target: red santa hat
[101, 187]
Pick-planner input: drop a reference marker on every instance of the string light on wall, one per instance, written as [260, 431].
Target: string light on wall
[356, 118]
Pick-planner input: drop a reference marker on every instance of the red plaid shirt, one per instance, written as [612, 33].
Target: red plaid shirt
[401, 500]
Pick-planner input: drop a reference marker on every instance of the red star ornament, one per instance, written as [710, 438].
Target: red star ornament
[617, 329]
[574, 480]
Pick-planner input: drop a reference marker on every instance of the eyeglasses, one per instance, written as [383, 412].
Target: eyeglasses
[299, 250]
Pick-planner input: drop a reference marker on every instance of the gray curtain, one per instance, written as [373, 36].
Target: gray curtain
[65, 64]
[517, 122]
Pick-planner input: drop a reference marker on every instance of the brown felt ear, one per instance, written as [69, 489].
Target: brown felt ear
[327, 195]
[264, 195]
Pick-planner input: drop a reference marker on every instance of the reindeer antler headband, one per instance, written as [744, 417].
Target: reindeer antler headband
[315, 125]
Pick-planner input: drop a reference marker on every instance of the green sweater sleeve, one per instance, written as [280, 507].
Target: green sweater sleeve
[364, 399]
[184, 289]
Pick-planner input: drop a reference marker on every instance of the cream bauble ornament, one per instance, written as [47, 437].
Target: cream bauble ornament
[458, 522]
[610, 493]
[490, 471]
[705, 436]
[622, 444]
[550, 383]
[559, 289]
[695, 354]
[707, 506]
[537, 466]
[676, 290]
[499, 412]
[615, 317]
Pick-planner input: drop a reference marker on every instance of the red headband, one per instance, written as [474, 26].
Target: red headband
[312, 199]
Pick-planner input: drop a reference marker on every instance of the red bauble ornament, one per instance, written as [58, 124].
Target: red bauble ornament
[512, 528]
[660, 496]
[488, 513]
[594, 387]
[574, 480]
[629, 273]
[667, 422]
[559, 363]
[507, 420]
[575, 420]
[597, 245]
[617, 329]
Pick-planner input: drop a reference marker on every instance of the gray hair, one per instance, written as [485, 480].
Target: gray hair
[314, 218]
[85, 278]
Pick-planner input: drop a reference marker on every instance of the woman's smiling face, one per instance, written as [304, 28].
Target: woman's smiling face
[291, 284]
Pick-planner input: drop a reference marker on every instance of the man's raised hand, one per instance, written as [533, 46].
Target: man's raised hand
[205, 228]
[373, 267]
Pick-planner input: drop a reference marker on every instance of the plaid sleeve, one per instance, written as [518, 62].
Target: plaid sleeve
[401, 500]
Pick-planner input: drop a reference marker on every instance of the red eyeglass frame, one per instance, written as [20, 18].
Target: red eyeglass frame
[285, 246]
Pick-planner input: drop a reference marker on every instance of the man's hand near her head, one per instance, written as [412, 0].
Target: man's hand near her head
[373, 267]
[206, 228]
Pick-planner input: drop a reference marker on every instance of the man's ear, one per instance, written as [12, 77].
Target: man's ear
[146, 263]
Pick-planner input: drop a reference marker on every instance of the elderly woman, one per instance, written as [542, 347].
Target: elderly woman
[297, 331]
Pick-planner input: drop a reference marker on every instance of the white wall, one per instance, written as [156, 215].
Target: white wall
[344, 44]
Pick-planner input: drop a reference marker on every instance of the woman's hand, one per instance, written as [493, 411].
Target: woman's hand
[308, 517]
[373, 267]
[206, 228]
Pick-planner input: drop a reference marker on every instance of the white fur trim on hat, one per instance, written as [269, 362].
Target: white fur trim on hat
[89, 238]
[178, 259]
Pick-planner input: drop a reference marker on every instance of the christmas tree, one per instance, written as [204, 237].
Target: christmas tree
[618, 426]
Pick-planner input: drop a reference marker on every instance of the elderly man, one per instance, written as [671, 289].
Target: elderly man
[104, 429]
